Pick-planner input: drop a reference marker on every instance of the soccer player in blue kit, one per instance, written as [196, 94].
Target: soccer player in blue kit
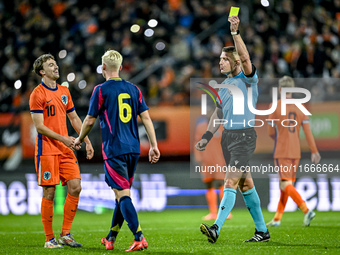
[117, 103]
[238, 139]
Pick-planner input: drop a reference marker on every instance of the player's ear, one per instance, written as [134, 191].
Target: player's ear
[103, 66]
[42, 72]
[120, 68]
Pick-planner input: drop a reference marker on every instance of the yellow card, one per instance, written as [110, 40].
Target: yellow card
[234, 11]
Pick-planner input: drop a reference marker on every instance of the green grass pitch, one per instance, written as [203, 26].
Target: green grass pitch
[177, 232]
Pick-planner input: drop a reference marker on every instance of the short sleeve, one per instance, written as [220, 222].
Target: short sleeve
[36, 102]
[252, 78]
[218, 104]
[70, 106]
[142, 105]
[95, 102]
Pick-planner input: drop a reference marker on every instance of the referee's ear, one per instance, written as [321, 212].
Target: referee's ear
[237, 62]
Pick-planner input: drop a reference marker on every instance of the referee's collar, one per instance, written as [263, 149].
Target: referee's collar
[237, 74]
[233, 76]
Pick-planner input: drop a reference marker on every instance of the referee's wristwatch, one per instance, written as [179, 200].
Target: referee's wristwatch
[235, 33]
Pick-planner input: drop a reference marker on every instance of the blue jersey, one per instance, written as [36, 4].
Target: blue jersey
[234, 121]
[118, 102]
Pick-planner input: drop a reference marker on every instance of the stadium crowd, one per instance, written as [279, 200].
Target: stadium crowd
[299, 38]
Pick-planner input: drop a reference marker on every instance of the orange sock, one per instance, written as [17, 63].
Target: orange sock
[47, 217]
[281, 206]
[211, 200]
[303, 207]
[292, 192]
[70, 209]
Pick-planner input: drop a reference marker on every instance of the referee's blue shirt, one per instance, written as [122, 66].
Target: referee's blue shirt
[242, 82]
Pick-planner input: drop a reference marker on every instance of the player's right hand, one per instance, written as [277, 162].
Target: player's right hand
[77, 143]
[316, 158]
[201, 144]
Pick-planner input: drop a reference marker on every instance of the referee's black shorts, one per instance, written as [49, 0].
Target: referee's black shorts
[238, 146]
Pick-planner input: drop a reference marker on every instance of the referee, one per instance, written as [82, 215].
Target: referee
[238, 139]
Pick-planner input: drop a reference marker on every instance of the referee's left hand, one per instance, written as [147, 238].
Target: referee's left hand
[234, 22]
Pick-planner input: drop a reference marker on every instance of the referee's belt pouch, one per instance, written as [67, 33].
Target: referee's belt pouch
[236, 138]
[239, 138]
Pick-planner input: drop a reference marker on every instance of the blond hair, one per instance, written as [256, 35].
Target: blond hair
[112, 59]
[286, 81]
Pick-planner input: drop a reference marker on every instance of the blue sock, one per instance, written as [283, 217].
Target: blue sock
[252, 200]
[130, 215]
[117, 222]
[227, 204]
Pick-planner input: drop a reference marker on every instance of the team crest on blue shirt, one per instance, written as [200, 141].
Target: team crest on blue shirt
[64, 99]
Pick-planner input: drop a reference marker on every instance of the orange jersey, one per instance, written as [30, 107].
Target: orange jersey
[54, 104]
[287, 142]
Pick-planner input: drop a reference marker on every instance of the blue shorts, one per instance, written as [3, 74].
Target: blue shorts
[120, 170]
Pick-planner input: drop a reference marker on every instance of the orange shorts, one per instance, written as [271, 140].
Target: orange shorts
[287, 168]
[55, 168]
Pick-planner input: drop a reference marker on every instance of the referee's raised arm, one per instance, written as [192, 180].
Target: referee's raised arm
[240, 46]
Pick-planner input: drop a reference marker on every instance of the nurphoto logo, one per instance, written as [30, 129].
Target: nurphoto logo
[238, 99]
[238, 104]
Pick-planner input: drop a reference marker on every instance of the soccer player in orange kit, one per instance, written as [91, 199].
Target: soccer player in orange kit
[287, 153]
[54, 158]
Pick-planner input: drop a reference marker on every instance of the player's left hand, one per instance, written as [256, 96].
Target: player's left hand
[89, 150]
[234, 22]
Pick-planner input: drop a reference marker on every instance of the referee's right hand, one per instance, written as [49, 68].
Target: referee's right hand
[201, 144]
